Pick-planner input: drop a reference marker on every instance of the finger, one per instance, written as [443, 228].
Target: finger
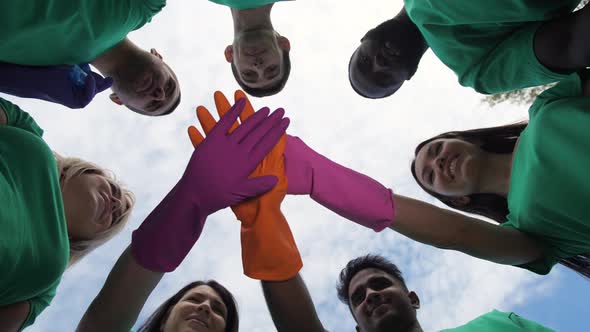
[258, 185]
[89, 90]
[266, 144]
[206, 119]
[101, 82]
[257, 133]
[248, 109]
[226, 121]
[85, 67]
[251, 124]
[223, 106]
[195, 136]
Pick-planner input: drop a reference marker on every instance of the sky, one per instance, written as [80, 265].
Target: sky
[375, 137]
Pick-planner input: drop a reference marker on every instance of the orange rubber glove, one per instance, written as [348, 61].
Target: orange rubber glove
[269, 251]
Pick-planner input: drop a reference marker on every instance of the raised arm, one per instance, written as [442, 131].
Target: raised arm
[119, 302]
[216, 177]
[290, 306]
[447, 229]
[367, 202]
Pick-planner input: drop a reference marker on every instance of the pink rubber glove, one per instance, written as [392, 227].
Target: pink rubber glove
[215, 177]
[350, 194]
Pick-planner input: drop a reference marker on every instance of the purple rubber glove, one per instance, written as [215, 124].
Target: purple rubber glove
[216, 177]
[350, 194]
[71, 86]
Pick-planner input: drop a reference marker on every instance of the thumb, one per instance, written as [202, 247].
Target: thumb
[89, 90]
[258, 185]
[102, 83]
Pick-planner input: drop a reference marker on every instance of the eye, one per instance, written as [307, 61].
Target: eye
[357, 297]
[169, 87]
[364, 60]
[379, 283]
[438, 148]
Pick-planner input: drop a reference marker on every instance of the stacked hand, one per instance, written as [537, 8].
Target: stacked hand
[71, 86]
[216, 177]
[269, 251]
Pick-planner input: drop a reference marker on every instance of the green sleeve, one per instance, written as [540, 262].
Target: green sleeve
[18, 118]
[541, 266]
[570, 87]
[151, 7]
[38, 304]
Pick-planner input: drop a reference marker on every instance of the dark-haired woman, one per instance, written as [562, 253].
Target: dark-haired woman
[198, 304]
[532, 178]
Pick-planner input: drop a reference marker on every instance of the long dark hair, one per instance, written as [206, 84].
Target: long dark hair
[157, 319]
[502, 140]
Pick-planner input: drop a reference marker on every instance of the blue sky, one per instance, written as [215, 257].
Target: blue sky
[373, 137]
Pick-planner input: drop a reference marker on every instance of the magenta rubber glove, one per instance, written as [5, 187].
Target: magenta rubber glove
[71, 86]
[216, 177]
[350, 194]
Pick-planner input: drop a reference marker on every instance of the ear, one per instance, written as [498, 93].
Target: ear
[284, 43]
[414, 299]
[115, 99]
[154, 52]
[229, 53]
[460, 201]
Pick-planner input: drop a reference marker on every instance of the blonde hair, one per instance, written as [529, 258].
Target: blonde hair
[70, 167]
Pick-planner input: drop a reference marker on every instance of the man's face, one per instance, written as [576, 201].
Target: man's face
[258, 57]
[383, 61]
[147, 85]
[381, 303]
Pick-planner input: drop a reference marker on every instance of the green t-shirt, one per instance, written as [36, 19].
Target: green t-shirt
[488, 43]
[498, 321]
[52, 32]
[549, 185]
[245, 4]
[34, 245]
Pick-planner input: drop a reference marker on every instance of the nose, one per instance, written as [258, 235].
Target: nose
[158, 93]
[258, 61]
[440, 162]
[372, 296]
[204, 308]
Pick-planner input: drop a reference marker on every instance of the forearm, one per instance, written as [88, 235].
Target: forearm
[344, 191]
[447, 229]
[291, 306]
[13, 316]
[119, 302]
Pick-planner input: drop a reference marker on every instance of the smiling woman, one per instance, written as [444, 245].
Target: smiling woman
[515, 175]
[201, 305]
[47, 201]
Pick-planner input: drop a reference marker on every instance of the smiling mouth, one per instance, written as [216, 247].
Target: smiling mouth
[197, 321]
[452, 167]
[378, 309]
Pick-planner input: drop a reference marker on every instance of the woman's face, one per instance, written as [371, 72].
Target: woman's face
[89, 202]
[200, 309]
[449, 166]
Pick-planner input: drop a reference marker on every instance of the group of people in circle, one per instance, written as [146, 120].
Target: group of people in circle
[529, 178]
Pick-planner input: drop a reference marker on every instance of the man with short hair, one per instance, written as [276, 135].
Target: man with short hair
[492, 46]
[61, 32]
[259, 55]
[379, 300]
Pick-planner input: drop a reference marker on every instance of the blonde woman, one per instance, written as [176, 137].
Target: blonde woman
[54, 211]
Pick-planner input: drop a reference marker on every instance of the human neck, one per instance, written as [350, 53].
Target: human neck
[108, 62]
[496, 173]
[252, 19]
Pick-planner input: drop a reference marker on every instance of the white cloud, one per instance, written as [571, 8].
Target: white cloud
[374, 137]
